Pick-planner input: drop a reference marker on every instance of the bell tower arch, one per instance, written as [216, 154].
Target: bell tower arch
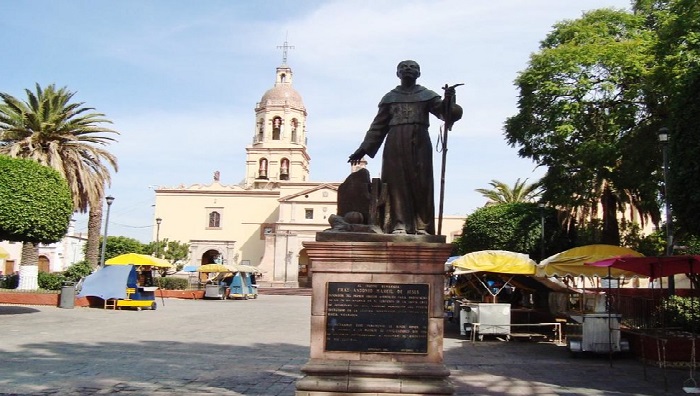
[278, 152]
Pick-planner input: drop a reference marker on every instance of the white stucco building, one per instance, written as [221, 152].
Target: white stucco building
[54, 257]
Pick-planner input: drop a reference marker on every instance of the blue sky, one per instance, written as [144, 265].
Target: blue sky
[180, 80]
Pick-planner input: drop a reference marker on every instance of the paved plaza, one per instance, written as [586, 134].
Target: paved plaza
[257, 347]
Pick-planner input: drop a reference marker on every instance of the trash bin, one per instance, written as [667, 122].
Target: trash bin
[67, 299]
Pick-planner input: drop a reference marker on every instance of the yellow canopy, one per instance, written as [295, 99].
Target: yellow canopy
[138, 259]
[571, 262]
[227, 268]
[3, 253]
[500, 261]
[215, 268]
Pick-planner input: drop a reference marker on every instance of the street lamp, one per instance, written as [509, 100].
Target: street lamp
[109, 200]
[158, 220]
[663, 139]
[541, 206]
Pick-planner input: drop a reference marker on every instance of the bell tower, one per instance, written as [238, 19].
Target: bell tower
[278, 151]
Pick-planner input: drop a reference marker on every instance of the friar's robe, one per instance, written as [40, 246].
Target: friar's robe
[407, 161]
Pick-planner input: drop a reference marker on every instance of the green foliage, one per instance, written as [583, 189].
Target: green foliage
[77, 271]
[648, 245]
[50, 281]
[691, 244]
[35, 202]
[117, 245]
[502, 193]
[515, 227]
[172, 283]
[683, 312]
[589, 233]
[582, 97]
[675, 84]
[173, 251]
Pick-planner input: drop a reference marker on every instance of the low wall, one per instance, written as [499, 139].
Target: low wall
[30, 298]
[53, 299]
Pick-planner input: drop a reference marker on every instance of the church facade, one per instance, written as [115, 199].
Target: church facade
[264, 220]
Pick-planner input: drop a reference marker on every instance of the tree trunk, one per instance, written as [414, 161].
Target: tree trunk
[611, 228]
[92, 252]
[28, 267]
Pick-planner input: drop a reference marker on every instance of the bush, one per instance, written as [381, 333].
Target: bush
[50, 281]
[77, 271]
[9, 281]
[172, 283]
[681, 312]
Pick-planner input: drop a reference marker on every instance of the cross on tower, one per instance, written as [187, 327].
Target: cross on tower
[285, 47]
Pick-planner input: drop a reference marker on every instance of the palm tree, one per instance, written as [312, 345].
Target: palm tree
[65, 136]
[502, 193]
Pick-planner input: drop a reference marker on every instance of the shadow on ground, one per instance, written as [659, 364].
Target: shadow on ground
[16, 310]
[533, 367]
[151, 367]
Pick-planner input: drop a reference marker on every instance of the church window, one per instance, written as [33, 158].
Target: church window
[284, 169]
[295, 126]
[283, 77]
[262, 168]
[266, 229]
[260, 131]
[214, 219]
[276, 128]
[309, 214]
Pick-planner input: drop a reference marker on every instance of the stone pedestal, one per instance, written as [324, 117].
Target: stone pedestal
[376, 318]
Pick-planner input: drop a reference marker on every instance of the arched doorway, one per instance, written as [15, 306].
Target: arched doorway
[211, 256]
[44, 264]
[304, 275]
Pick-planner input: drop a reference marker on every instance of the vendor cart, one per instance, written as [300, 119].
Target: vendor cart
[485, 318]
[218, 290]
[121, 286]
[595, 332]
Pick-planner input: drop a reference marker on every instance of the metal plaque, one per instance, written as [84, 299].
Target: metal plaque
[377, 317]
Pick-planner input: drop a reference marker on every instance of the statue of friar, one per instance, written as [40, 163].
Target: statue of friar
[407, 162]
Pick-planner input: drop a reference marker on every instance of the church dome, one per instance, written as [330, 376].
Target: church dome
[282, 94]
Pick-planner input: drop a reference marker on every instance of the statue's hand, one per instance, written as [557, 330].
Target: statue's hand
[356, 157]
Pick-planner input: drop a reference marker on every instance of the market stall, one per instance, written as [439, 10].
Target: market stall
[230, 281]
[591, 325]
[119, 286]
[214, 287]
[488, 316]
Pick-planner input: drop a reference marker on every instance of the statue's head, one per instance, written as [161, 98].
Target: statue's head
[408, 66]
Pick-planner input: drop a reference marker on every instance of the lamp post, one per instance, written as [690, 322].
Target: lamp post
[541, 206]
[663, 139]
[158, 221]
[109, 200]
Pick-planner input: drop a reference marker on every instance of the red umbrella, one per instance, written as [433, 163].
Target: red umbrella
[653, 267]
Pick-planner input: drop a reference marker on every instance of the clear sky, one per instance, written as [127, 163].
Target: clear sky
[180, 80]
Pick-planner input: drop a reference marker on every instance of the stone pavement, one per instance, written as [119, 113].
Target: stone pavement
[257, 347]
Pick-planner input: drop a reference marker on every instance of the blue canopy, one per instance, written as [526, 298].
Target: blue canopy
[107, 282]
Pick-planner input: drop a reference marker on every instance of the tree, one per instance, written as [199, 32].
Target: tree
[502, 193]
[117, 245]
[583, 115]
[35, 202]
[677, 88]
[515, 227]
[50, 129]
[35, 207]
[172, 251]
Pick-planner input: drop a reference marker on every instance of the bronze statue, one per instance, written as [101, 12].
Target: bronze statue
[407, 162]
